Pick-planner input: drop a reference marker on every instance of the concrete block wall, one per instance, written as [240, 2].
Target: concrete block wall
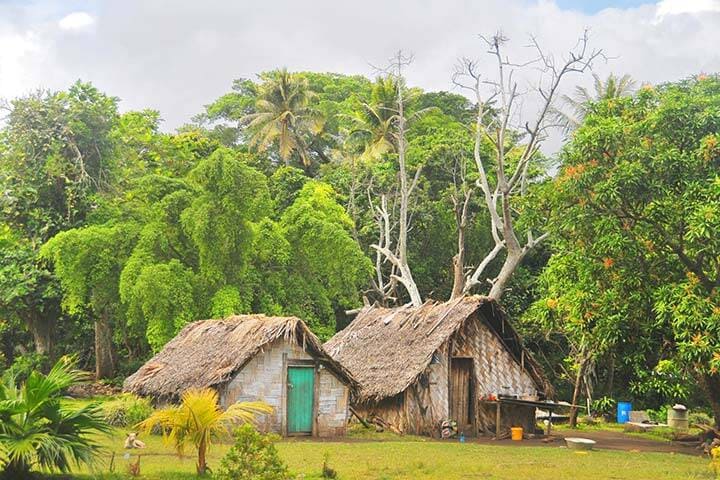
[264, 378]
[332, 415]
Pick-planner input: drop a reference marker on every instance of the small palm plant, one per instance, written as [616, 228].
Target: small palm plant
[38, 431]
[199, 420]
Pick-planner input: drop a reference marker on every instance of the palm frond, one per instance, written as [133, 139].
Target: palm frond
[575, 108]
[245, 412]
[283, 115]
[36, 429]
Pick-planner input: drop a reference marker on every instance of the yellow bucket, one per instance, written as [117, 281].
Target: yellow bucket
[516, 433]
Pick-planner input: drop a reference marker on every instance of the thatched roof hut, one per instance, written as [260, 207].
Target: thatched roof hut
[208, 353]
[391, 351]
[386, 349]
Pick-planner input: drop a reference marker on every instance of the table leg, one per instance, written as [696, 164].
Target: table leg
[497, 421]
[549, 429]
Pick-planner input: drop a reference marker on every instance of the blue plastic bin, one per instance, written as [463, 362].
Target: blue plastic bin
[623, 412]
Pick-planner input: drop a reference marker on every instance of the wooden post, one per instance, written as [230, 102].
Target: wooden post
[283, 396]
[549, 429]
[357, 415]
[497, 420]
[316, 400]
[448, 410]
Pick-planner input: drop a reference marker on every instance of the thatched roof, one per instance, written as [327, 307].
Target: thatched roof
[208, 353]
[386, 349]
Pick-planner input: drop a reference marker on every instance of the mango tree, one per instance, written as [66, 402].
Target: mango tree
[637, 211]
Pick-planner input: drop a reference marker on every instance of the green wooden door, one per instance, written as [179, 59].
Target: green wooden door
[301, 392]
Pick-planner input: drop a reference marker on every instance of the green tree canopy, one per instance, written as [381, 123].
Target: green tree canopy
[56, 157]
[87, 261]
[637, 206]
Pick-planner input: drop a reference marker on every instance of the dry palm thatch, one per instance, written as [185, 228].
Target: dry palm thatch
[387, 349]
[208, 353]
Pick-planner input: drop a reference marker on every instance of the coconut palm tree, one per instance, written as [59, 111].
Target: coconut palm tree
[374, 123]
[199, 421]
[37, 431]
[575, 108]
[284, 115]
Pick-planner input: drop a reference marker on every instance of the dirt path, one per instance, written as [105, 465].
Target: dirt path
[605, 439]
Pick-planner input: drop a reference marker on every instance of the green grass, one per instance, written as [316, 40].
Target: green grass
[418, 458]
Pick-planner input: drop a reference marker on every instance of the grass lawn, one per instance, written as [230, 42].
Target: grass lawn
[391, 457]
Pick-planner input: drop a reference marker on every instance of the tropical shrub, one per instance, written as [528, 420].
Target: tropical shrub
[252, 457]
[126, 410]
[659, 415]
[199, 421]
[23, 365]
[700, 418]
[38, 431]
[603, 406]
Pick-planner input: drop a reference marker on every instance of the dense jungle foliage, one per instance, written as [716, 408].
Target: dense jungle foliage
[114, 233]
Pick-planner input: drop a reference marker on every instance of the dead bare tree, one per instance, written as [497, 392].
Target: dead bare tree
[460, 196]
[499, 125]
[384, 289]
[398, 256]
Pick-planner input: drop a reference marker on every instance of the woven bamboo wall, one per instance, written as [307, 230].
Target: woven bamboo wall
[496, 371]
[427, 399]
[391, 410]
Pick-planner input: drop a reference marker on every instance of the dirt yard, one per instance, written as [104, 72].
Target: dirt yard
[606, 440]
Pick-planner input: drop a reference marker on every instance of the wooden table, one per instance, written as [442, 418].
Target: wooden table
[549, 406]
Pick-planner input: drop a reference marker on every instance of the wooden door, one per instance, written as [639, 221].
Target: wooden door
[461, 393]
[300, 399]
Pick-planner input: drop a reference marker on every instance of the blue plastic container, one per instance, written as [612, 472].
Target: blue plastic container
[623, 412]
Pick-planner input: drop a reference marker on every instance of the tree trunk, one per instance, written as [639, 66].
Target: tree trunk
[461, 214]
[202, 463]
[576, 394]
[104, 358]
[403, 223]
[41, 327]
[16, 468]
[458, 275]
[510, 264]
[611, 376]
[711, 385]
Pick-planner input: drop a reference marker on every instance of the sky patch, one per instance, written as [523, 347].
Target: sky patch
[76, 21]
[594, 6]
[178, 59]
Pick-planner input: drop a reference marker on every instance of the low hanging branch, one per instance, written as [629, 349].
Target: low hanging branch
[496, 126]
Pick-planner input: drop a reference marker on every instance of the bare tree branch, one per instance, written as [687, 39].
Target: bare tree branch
[500, 197]
[399, 257]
